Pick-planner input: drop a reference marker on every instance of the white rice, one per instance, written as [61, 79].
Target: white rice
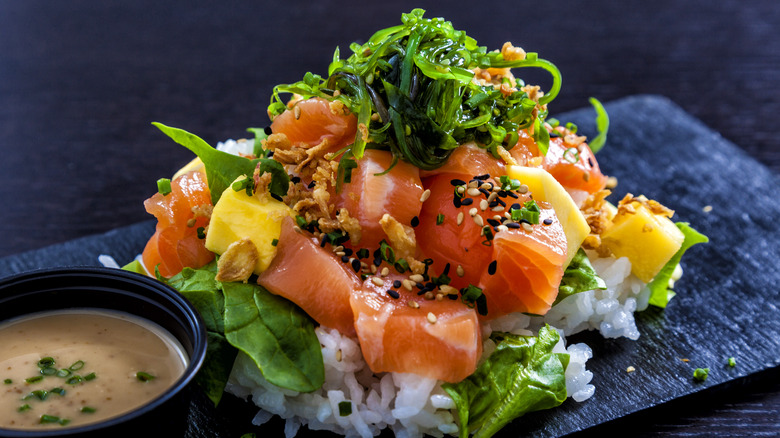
[413, 406]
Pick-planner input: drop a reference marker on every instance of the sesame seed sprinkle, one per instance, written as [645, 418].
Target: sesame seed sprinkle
[407, 284]
[417, 278]
[460, 218]
[431, 318]
[413, 305]
[460, 271]
[483, 205]
[478, 220]
[473, 211]
[467, 201]
[393, 293]
[473, 191]
[425, 195]
[492, 267]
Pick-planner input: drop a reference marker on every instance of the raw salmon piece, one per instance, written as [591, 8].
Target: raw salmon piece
[578, 171]
[436, 339]
[369, 196]
[528, 268]
[313, 278]
[469, 159]
[529, 265]
[313, 121]
[175, 243]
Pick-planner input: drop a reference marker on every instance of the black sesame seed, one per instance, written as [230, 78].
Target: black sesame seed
[516, 206]
[311, 185]
[512, 194]
[397, 284]
[356, 265]
[512, 225]
[362, 253]
[503, 204]
[344, 259]
[452, 297]
[548, 221]
[492, 267]
[415, 221]
[524, 221]
[295, 179]
[484, 191]
[268, 130]
[493, 203]
[325, 240]
[377, 261]
[467, 201]
[348, 251]
[493, 222]
[456, 202]
[446, 269]
[277, 197]
[482, 177]
[502, 193]
[457, 182]
[590, 161]
[393, 293]
[422, 291]
[420, 286]
[270, 154]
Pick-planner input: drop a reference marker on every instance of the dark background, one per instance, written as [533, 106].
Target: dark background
[81, 81]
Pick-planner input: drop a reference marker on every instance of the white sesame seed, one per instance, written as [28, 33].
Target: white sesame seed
[417, 278]
[460, 218]
[498, 217]
[483, 205]
[522, 189]
[297, 112]
[478, 220]
[473, 191]
[341, 253]
[429, 295]
[407, 284]
[377, 281]
[373, 268]
[503, 228]
[473, 185]
[492, 197]
[425, 195]
[486, 186]
[431, 318]
[339, 355]
[385, 271]
[447, 289]
[439, 297]
[460, 271]
[461, 189]
[527, 227]
[473, 211]
[413, 305]
[498, 208]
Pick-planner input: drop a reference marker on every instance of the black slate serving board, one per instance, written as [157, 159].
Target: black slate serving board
[726, 304]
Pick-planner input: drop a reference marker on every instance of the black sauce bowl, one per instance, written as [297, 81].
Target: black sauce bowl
[114, 289]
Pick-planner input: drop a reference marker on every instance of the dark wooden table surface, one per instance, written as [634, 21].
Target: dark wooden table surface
[80, 82]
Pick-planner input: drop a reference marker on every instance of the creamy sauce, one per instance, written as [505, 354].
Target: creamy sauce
[114, 346]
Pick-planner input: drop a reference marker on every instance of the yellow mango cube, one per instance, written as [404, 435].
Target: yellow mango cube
[545, 187]
[239, 216]
[649, 240]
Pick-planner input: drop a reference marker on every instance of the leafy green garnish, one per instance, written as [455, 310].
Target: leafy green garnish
[522, 375]
[417, 78]
[135, 266]
[223, 168]
[602, 124]
[578, 277]
[660, 294]
[276, 334]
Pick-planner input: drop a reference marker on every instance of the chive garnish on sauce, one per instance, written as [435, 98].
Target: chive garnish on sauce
[144, 376]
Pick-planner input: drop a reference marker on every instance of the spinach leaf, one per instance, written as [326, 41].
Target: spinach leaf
[203, 291]
[276, 334]
[214, 373]
[578, 277]
[221, 168]
[522, 375]
[660, 294]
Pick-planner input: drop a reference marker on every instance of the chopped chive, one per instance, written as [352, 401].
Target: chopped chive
[34, 379]
[700, 374]
[63, 372]
[201, 231]
[40, 394]
[46, 362]
[90, 376]
[732, 362]
[164, 186]
[274, 242]
[8, 381]
[24, 407]
[74, 380]
[79, 364]
[439, 218]
[88, 410]
[144, 376]
[58, 391]
[345, 408]
[49, 371]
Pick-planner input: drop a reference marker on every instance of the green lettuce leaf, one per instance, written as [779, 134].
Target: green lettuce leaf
[578, 277]
[223, 168]
[522, 375]
[135, 266]
[276, 334]
[660, 294]
[602, 124]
